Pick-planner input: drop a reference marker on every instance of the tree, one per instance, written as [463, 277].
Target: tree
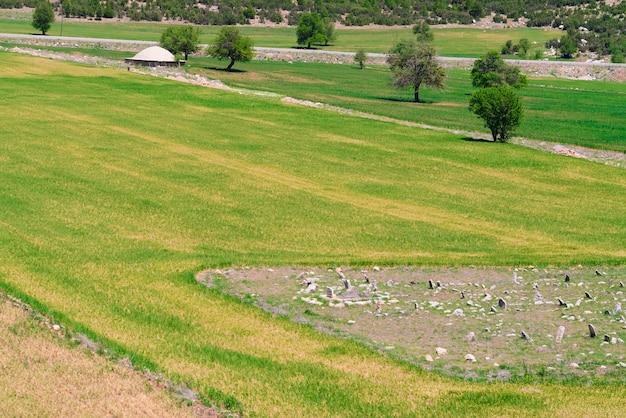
[414, 64]
[329, 32]
[423, 32]
[360, 57]
[492, 71]
[567, 46]
[181, 39]
[523, 47]
[310, 29]
[231, 44]
[500, 108]
[43, 17]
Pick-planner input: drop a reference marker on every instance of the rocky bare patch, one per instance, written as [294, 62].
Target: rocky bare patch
[494, 324]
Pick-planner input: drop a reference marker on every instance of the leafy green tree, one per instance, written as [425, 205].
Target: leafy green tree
[500, 108]
[329, 32]
[231, 44]
[491, 71]
[181, 39]
[360, 57]
[310, 29]
[423, 32]
[414, 65]
[567, 46]
[43, 16]
[523, 47]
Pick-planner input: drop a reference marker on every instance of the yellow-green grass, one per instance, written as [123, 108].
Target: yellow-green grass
[116, 188]
[466, 42]
[43, 375]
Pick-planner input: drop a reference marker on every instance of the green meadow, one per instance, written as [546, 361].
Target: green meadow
[117, 188]
[462, 42]
[587, 113]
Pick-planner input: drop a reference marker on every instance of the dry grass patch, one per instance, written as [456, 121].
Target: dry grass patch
[42, 375]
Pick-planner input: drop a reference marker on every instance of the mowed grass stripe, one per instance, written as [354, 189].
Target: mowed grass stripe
[113, 252]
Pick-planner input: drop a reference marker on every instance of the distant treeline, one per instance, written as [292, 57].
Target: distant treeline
[607, 23]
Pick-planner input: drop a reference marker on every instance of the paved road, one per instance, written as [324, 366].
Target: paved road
[307, 51]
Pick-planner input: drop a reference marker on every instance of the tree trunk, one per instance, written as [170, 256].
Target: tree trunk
[417, 93]
[232, 62]
[186, 55]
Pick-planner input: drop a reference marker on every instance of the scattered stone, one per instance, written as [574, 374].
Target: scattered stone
[607, 338]
[389, 283]
[458, 312]
[330, 293]
[470, 337]
[617, 309]
[438, 283]
[561, 303]
[588, 296]
[599, 273]
[351, 322]
[431, 285]
[376, 268]
[567, 278]
[621, 284]
[462, 295]
[351, 293]
[502, 303]
[301, 275]
[487, 297]
[493, 309]
[312, 301]
[311, 288]
[367, 279]
[346, 283]
[56, 327]
[340, 273]
[428, 358]
[574, 365]
[538, 296]
[416, 306]
[441, 351]
[525, 336]
[470, 358]
[559, 334]
[592, 331]
[535, 286]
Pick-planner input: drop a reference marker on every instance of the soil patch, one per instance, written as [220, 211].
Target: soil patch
[504, 320]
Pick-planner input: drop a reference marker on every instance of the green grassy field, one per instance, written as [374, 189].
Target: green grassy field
[587, 113]
[578, 112]
[108, 213]
[469, 41]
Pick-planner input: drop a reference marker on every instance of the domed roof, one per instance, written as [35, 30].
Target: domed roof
[155, 53]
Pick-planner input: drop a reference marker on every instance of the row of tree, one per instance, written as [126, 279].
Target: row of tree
[596, 27]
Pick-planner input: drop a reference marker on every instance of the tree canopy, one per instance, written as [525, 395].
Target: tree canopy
[43, 16]
[414, 65]
[181, 39]
[500, 108]
[360, 57]
[311, 29]
[491, 71]
[231, 44]
[567, 46]
[423, 32]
